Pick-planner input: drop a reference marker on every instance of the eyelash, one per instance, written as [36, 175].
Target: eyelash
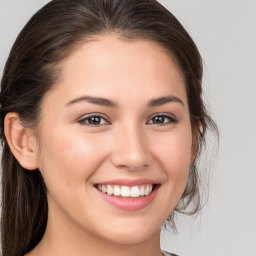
[172, 119]
[83, 121]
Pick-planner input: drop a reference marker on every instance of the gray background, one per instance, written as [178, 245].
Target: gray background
[225, 32]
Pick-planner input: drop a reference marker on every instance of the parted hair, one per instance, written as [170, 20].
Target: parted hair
[34, 67]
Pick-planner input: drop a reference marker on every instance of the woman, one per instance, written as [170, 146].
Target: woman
[102, 122]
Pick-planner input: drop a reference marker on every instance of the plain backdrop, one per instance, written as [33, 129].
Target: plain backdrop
[225, 32]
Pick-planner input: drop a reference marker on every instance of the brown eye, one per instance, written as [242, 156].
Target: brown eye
[162, 120]
[159, 120]
[93, 121]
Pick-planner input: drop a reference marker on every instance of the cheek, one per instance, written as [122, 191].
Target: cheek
[174, 155]
[70, 158]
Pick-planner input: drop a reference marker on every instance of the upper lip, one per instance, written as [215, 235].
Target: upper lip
[128, 182]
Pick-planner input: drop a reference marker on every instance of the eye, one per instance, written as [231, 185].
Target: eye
[93, 120]
[162, 119]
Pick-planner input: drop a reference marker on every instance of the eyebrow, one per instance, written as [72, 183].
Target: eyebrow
[94, 100]
[110, 103]
[163, 100]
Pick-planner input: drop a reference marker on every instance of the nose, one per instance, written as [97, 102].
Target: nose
[131, 150]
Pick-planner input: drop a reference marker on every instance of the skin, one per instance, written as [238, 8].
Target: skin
[75, 155]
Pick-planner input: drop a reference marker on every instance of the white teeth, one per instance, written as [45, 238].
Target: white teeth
[142, 193]
[125, 191]
[117, 191]
[147, 190]
[109, 190]
[104, 189]
[135, 192]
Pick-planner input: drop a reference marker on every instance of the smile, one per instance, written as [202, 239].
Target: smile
[126, 191]
[128, 195]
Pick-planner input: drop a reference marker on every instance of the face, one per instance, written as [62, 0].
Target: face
[115, 140]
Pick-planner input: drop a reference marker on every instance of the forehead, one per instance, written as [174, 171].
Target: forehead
[112, 67]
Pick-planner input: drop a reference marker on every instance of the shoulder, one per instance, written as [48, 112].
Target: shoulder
[169, 254]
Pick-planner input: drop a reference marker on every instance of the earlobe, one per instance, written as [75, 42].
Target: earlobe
[21, 141]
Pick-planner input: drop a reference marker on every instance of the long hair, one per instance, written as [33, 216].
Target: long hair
[34, 66]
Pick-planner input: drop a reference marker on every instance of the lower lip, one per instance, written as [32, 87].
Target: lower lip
[130, 204]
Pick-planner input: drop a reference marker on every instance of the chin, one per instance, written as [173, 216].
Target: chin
[129, 233]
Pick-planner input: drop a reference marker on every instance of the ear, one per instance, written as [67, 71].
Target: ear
[21, 141]
[195, 140]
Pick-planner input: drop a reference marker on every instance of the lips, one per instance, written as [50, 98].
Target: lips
[127, 194]
[126, 191]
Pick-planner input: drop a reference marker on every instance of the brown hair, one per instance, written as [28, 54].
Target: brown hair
[33, 67]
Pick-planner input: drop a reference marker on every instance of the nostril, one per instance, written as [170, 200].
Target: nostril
[131, 153]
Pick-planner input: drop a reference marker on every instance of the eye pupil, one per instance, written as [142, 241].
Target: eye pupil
[158, 119]
[94, 120]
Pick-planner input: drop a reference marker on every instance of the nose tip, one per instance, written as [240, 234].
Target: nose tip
[130, 162]
[131, 152]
